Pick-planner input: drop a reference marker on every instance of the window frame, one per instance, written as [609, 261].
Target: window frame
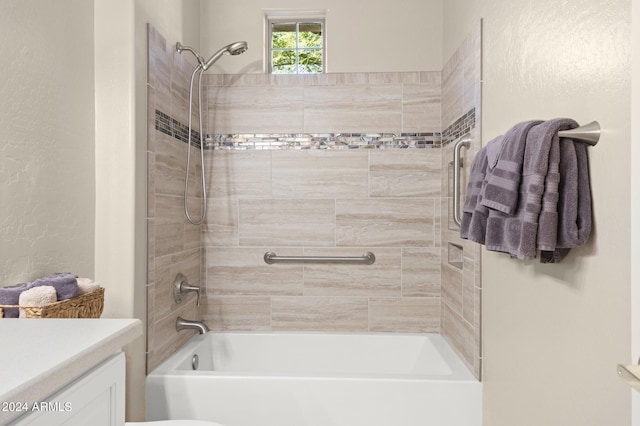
[297, 20]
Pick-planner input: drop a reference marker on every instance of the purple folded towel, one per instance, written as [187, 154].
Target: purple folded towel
[533, 225]
[66, 286]
[505, 173]
[474, 214]
[574, 204]
[10, 296]
[534, 194]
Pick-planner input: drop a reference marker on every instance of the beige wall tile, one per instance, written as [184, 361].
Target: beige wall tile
[151, 251]
[181, 69]
[161, 352]
[213, 80]
[460, 335]
[287, 222]
[159, 71]
[242, 271]
[351, 78]
[151, 184]
[172, 245]
[221, 228]
[451, 284]
[393, 77]
[472, 71]
[469, 303]
[192, 235]
[170, 162]
[438, 221]
[320, 174]
[421, 107]
[319, 313]
[380, 279]
[255, 109]
[151, 315]
[408, 315]
[452, 92]
[169, 238]
[405, 173]
[461, 91]
[353, 109]
[151, 119]
[167, 340]
[280, 79]
[238, 174]
[167, 268]
[421, 272]
[385, 222]
[250, 313]
[169, 209]
[447, 170]
[195, 173]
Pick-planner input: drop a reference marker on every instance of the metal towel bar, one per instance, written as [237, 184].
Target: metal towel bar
[368, 259]
[589, 133]
[463, 141]
[630, 374]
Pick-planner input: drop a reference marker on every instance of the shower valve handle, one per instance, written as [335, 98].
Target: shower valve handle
[181, 286]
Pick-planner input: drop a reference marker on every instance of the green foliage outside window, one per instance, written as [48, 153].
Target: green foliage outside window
[296, 47]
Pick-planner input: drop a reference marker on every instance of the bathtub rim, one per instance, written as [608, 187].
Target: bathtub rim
[459, 371]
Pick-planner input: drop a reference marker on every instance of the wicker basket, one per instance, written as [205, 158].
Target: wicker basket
[88, 305]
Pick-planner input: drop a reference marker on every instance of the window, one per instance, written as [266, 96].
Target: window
[296, 46]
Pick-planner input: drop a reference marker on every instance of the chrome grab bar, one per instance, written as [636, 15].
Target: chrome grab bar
[463, 141]
[270, 257]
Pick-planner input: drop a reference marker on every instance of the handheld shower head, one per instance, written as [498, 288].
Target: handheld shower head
[234, 49]
[237, 48]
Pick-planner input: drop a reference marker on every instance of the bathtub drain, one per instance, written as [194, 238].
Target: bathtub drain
[195, 361]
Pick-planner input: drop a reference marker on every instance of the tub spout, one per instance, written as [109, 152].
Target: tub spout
[183, 324]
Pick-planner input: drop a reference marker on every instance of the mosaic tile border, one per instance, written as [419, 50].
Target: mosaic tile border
[323, 141]
[462, 125]
[256, 141]
[172, 127]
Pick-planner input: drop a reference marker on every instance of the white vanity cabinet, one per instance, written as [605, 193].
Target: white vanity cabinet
[95, 399]
[64, 372]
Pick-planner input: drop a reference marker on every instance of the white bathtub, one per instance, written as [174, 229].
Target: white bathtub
[316, 379]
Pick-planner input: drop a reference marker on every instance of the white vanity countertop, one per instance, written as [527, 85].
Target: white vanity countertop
[39, 356]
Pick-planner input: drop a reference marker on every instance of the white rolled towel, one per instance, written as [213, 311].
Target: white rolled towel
[87, 285]
[37, 296]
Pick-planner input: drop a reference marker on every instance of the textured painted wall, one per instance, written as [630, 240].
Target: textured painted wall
[47, 161]
[553, 334]
[377, 35]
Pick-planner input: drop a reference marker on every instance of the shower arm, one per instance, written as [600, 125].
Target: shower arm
[233, 49]
[180, 47]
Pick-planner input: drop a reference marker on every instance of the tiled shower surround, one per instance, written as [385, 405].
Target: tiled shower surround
[317, 165]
